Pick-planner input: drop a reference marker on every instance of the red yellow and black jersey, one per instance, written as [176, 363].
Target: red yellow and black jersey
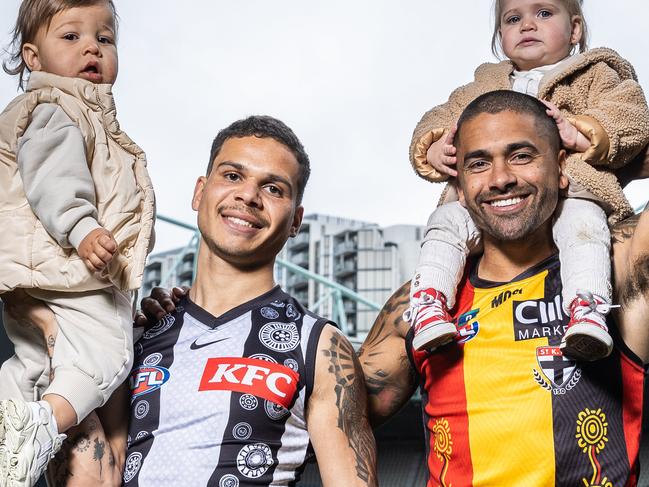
[503, 407]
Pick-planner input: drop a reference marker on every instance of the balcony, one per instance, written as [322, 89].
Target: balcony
[301, 259]
[345, 267]
[297, 281]
[347, 247]
[299, 242]
[186, 268]
[153, 275]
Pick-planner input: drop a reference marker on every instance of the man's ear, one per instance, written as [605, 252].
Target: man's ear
[198, 192]
[30, 56]
[563, 179]
[297, 221]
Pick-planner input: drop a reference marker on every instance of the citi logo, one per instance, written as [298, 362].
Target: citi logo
[538, 312]
[274, 382]
[504, 296]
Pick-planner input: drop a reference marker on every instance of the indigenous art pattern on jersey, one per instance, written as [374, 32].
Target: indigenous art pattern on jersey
[503, 406]
[221, 401]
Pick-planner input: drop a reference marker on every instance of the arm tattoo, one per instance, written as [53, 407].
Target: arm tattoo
[388, 320]
[81, 442]
[100, 448]
[350, 402]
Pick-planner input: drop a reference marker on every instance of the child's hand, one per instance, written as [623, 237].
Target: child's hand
[441, 154]
[97, 249]
[571, 138]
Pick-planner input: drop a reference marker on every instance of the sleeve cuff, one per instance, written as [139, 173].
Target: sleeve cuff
[419, 156]
[81, 230]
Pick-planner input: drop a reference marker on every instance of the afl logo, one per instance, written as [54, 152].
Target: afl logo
[253, 460]
[147, 379]
[281, 337]
[163, 325]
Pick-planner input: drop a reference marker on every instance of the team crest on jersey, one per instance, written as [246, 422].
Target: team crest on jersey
[146, 379]
[163, 325]
[557, 373]
[467, 326]
[281, 337]
[254, 460]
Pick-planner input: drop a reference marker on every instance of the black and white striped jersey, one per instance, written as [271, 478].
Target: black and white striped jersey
[221, 401]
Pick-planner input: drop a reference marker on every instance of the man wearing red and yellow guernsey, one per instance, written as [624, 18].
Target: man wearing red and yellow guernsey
[501, 405]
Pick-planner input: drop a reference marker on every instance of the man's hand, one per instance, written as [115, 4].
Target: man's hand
[571, 138]
[441, 154]
[159, 303]
[97, 249]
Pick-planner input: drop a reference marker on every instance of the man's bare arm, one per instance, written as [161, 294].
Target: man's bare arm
[389, 375]
[631, 277]
[337, 415]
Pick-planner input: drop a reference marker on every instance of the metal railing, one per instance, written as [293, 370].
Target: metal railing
[334, 294]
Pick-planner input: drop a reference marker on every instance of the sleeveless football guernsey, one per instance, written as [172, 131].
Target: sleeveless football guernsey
[221, 401]
[503, 407]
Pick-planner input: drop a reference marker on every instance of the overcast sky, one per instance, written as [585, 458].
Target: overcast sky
[351, 77]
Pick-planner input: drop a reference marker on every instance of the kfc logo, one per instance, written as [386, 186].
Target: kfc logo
[274, 382]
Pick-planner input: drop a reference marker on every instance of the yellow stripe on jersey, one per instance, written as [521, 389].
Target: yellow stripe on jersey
[502, 395]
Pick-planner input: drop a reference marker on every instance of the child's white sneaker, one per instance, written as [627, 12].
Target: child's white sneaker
[587, 336]
[29, 440]
[430, 319]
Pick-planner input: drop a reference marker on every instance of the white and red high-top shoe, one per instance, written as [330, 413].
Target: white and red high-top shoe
[430, 319]
[587, 336]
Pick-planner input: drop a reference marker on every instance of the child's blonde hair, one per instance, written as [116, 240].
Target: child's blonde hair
[32, 15]
[573, 7]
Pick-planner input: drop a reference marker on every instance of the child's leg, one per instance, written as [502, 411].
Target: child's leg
[450, 236]
[93, 354]
[583, 238]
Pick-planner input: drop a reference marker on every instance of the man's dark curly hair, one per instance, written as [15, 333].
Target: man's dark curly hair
[263, 126]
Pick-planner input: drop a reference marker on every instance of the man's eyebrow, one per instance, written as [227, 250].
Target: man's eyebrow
[523, 144]
[235, 165]
[479, 153]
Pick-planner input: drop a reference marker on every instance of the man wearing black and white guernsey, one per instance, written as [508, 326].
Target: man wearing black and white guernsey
[235, 386]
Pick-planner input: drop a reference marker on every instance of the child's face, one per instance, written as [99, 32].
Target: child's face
[537, 32]
[79, 43]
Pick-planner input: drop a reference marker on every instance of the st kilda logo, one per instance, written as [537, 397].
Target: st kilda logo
[271, 381]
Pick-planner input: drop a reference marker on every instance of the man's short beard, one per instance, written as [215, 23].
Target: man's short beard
[510, 233]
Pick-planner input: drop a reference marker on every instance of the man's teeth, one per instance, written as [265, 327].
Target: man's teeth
[508, 202]
[239, 221]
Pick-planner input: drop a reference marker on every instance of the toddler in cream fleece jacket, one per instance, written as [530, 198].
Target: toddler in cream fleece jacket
[603, 120]
[76, 212]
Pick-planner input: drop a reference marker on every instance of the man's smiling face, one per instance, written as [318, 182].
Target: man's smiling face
[247, 205]
[508, 174]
